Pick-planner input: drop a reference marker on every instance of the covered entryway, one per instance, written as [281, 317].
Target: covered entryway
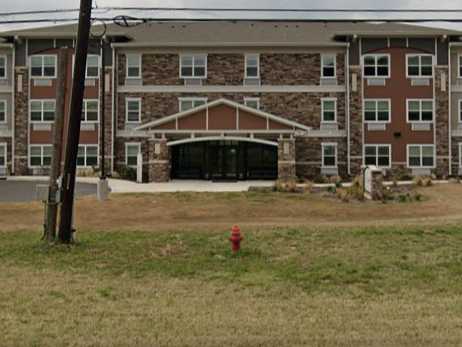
[222, 140]
[224, 160]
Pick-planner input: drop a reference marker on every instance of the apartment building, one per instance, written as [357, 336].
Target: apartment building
[242, 100]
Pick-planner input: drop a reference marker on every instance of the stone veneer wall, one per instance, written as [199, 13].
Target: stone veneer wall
[108, 123]
[286, 159]
[159, 163]
[356, 121]
[21, 122]
[442, 122]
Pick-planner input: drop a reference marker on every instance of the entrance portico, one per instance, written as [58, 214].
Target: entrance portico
[222, 140]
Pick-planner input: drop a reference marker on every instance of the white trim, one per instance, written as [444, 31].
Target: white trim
[221, 138]
[127, 100]
[421, 157]
[85, 110]
[460, 153]
[5, 110]
[376, 55]
[247, 99]
[324, 55]
[29, 157]
[326, 144]
[5, 153]
[231, 89]
[192, 99]
[42, 101]
[257, 55]
[376, 111]
[140, 64]
[138, 144]
[43, 58]
[225, 102]
[459, 65]
[322, 111]
[85, 158]
[193, 56]
[98, 65]
[202, 44]
[419, 55]
[459, 113]
[4, 56]
[377, 145]
[420, 111]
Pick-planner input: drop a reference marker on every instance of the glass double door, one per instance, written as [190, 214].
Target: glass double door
[223, 160]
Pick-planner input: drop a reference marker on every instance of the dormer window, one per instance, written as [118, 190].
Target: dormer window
[193, 66]
[328, 66]
[252, 66]
[376, 66]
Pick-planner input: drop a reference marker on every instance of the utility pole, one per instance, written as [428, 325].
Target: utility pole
[73, 133]
[52, 203]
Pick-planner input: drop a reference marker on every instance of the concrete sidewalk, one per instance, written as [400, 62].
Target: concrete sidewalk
[123, 186]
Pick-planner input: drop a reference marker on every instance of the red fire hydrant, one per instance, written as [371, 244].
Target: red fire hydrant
[235, 239]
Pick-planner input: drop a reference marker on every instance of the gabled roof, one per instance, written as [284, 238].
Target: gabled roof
[241, 111]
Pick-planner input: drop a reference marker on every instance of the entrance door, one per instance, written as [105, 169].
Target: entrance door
[223, 164]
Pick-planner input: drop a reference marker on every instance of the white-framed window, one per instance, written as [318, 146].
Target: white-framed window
[378, 155]
[252, 66]
[133, 65]
[419, 110]
[3, 154]
[3, 62]
[189, 103]
[421, 156]
[329, 155]
[133, 110]
[252, 102]
[329, 110]
[87, 156]
[460, 110]
[131, 153]
[459, 65]
[2, 111]
[43, 66]
[40, 155]
[377, 110]
[42, 110]
[193, 66]
[90, 110]
[376, 65]
[419, 65]
[328, 66]
[460, 154]
[92, 70]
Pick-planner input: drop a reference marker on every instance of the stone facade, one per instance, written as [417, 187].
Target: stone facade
[442, 121]
[286, 159]
[356, 121]
[21, 122]
[159, 160]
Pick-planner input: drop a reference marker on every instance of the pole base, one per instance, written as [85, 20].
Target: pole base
[102, 190]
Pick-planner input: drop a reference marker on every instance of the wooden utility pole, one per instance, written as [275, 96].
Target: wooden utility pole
[52, 203]
[73, 133]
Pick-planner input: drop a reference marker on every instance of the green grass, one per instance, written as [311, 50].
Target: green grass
[358, 262]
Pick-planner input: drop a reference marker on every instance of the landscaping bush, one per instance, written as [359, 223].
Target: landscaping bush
[127, 173]
[423, 181]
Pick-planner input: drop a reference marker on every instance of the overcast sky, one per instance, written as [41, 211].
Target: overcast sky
[21, 5]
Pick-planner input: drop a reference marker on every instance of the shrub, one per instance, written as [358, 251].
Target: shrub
[87, 172]
[127, 173]
[356, 190]
[321, 179]
[423, 181]
[286, 186]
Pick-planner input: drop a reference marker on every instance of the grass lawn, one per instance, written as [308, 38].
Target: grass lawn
[313, 271]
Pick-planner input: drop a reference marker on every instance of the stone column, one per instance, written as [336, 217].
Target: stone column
[442, 121]
[286, 159]
[356, 121]
[21, 120]
[159, 161]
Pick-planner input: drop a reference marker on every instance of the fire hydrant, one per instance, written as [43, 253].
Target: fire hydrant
[235, 239]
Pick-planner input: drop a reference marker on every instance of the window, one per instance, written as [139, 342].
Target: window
[40, 155]
[131, 154]
[252, 66]
[460, 66]
[2, 154]
[419, 65]
[329, 155]
[377, 66]
[189, 103]
[92, 70]
[43, 66]
[376, 110]
[328, 63]
[378, 155]
[133, 110]
[421, 156]
[460, 154]
[420, 110]
[87, 156]
[460, 110]
[2, 66]
[133, 65]
[2, 111]
[193, 66]
[329, 110]
[90, 110]
[252, 102]
[42, 110]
